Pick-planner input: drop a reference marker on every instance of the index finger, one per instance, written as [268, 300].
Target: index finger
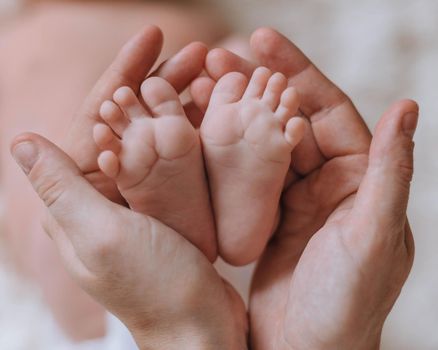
[337, 126]
[130, 67]
[181, 69]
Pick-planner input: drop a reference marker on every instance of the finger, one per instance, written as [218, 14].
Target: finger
[307, 156]
[76, 207]
[281, 55]
[410, 245]
[201, 90]
[329, 187]
[384, 192]
[220, 62]
[329, 111]
[184, 67]
[327, 107]
[128, 69]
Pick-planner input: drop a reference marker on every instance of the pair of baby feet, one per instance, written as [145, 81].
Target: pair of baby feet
[158, 159]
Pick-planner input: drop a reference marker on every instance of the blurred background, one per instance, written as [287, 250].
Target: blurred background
[376, 51]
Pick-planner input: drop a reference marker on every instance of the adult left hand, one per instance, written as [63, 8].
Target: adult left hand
[162, 287]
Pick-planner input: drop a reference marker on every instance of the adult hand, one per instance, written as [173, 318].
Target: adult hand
[163, 288]
[137, 268]
[343, 250]
[130, 68]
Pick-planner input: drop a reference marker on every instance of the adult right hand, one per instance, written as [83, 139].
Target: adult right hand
[164, 289]
[344, 249]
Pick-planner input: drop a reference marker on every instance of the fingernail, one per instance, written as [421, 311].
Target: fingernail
[25, 154]
[410, 121]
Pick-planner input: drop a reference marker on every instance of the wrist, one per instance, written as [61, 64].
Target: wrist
[186, 337]
[203, 332]
[358, 341]
[172, 339]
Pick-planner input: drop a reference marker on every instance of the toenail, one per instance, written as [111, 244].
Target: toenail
[26, 155]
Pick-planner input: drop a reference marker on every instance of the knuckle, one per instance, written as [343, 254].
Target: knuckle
[50, 189]
[406, 171]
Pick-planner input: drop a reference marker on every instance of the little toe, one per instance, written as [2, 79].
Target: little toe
[289, 104]
[129, 103]
[114, 117]
[257, 84]
[161, 98]
[276, 86]
[105, 138]
[229, 89]
[109, 164]
[294, 131]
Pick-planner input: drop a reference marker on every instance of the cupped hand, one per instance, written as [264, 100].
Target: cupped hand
[164, 289]
[159, 285]
[343, 250]
[131, 67]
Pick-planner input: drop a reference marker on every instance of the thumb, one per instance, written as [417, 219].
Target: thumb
[79, 219]
[384, 192]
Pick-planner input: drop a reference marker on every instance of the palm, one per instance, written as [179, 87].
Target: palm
[130, 68]
[172, 255]
[318, 272]
[298, 274]
[327, 168]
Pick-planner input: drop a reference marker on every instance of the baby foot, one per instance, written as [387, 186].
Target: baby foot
[248, 135]
[154, 155]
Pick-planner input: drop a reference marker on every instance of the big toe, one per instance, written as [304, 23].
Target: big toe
[229, 89]
[161, 98]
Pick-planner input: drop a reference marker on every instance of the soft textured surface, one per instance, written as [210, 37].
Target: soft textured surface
[377, 52]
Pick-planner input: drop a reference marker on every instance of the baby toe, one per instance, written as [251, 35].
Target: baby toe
[129, 103]
[109, 164]
[105, 138]
[114, 117]
[276, 86]
[294, 131]
[161, 98]
[229, 89]
[257, 84]
[289, 104]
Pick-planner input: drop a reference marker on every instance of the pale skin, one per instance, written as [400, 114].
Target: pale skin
[93, 266]
[167, 278]
[322, 246]
[154, 155]
[344, 242]
[71, 43]
[248, 134]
